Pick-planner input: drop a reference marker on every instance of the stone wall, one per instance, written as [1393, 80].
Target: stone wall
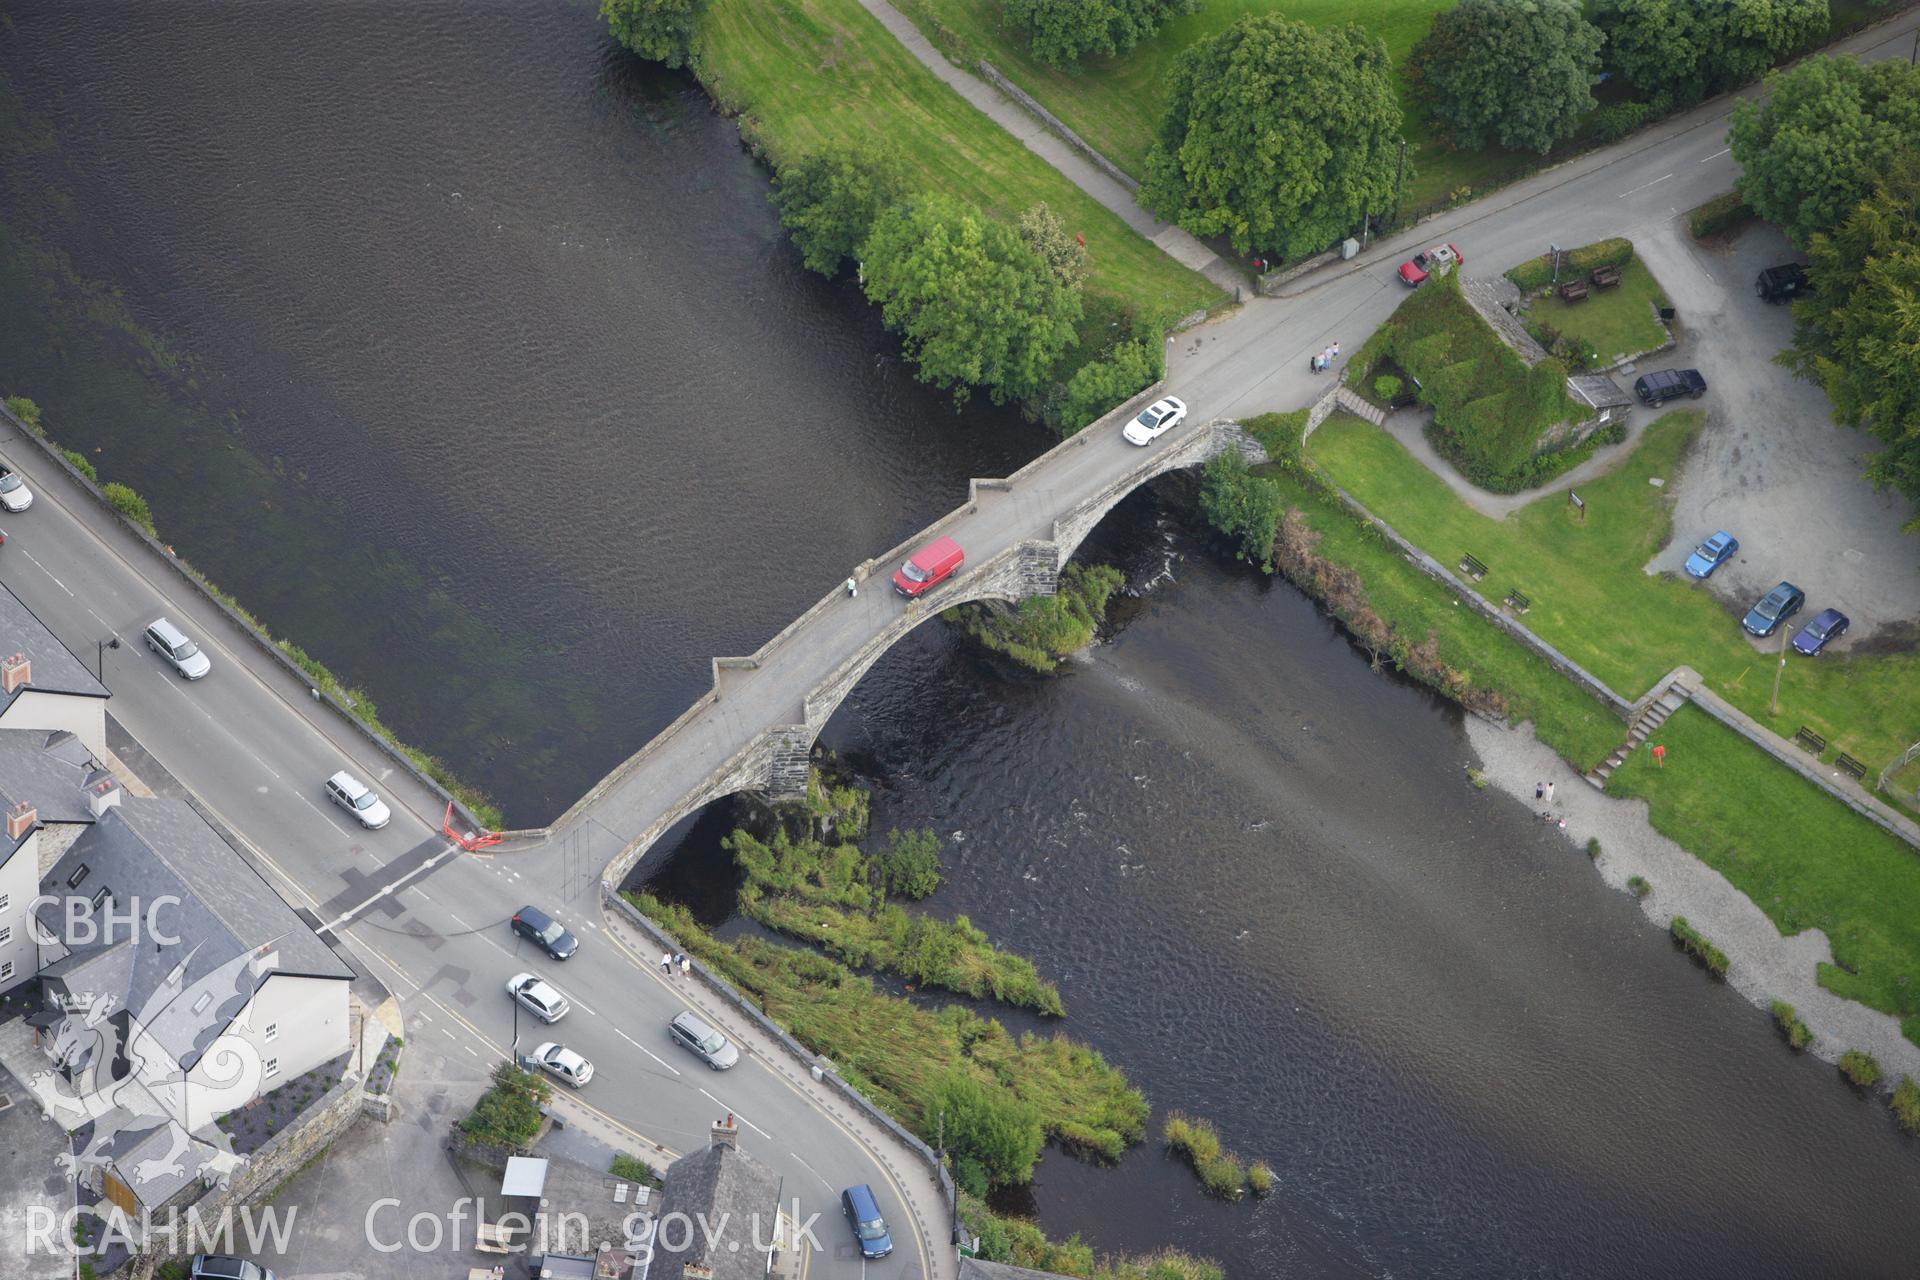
[1055, 125]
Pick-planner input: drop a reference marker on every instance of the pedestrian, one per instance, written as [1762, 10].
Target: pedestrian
[853, 588]
[1549, 793]
[1313, 364]
[1539, 791]
[1333, 353]
[686, 966]
[1563, 824]
[666, 963]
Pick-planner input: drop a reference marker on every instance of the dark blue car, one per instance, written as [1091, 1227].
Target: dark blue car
[1711, 554]
[869, 1228]
[1774, 608]
[1828, 624]
[544, 930]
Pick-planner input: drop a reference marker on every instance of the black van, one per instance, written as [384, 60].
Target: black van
[1782, 283]
[1668, 384]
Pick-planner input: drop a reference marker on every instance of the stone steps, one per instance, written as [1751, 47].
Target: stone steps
[1642, 728]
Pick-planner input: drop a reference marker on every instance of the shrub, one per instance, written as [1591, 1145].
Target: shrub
[1860, 1068]
[1241, 505]
[1100, 386]
[1788, 1020]
[1718, 214]
[1220, 1172]
[1222, 1176]
[991, 1125]
[1906, 1105]
[909, 863]
[1061, 32]
[508, 1114]
[1638, 886]
[829, 199]
[1688, 939]
[1616, 120]
[1537, 273]
[1593, 847]
[28, 412]
[79, 462]
[130, 504]
[1386, 387]
[634, 1169]
[1260, 1178]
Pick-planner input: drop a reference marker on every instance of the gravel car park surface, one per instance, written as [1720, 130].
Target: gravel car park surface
[1771, 467]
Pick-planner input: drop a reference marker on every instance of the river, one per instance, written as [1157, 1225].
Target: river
[469, 354]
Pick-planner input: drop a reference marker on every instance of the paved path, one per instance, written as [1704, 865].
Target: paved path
[1043, 142]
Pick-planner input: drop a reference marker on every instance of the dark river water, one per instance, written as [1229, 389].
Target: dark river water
[469, 354]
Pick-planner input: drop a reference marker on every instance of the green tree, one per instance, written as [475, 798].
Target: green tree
[908, 864]
[1100, 385]
[1277, 135]
[1811, 152]
[1858, 333]
[989, 1124]
[657, 30]
[828, 200]
[1047, 235]
[1516, 72]
[1241, 505]
[973, 305]
[1686, 49]
[1061, 32]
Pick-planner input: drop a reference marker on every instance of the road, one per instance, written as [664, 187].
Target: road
[251, 743]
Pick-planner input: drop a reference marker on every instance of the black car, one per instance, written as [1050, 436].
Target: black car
[1782, 283]
[532, 922]
[1668, 384]
[220, 1266]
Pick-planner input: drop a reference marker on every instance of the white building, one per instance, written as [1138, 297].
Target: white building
[43, 685]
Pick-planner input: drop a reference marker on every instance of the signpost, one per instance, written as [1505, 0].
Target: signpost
[1578, 503]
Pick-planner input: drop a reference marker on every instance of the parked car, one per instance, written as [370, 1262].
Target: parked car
[562, 1063]
[1436, 261]
[532, 922]
[221, 1266]
[538, 997]
[358, 799]
[14, 494]
[709, 1045]
[1669, 384]
[929, 567]
[1155, 421]
[1711, 554]
[1828, 624]
[1782, 283]
[869, 1228]
[1774, 608]
[182, 654]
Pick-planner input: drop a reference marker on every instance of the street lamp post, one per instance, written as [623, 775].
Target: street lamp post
[100, 657]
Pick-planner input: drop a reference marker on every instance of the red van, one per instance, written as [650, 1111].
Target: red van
[930, 566]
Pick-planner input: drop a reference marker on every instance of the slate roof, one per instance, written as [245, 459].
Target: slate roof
[233, 929]
[1495, 299]
[1597, 391]
[55, 667]
[50, 769]
[156, 1163]
[719, 1180]
[975, 1269]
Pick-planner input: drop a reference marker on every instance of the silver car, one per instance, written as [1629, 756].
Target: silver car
[358, 799]
[537, 996]
[180, 653]
[14, 494]
[563, 1064]
[709, 1045]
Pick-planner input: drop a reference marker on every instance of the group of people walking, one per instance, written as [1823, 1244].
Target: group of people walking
[1322, 362]
[669, 963]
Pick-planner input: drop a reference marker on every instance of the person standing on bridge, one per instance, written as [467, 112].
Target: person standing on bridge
[666, 963]
[686, 966]
[853, 588]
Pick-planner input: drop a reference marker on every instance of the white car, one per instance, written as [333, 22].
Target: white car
[1155, 421]
[537, 996]
[358, 799]
[563, 1064]
[14, 494]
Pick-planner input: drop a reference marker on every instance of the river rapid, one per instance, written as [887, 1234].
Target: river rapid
[468, 353]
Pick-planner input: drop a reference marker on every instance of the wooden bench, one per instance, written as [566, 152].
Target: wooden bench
[1518, 602]
[1849, 766]
[1472, 568]
[1573, 291]
[1605, 277]
[1810, 740]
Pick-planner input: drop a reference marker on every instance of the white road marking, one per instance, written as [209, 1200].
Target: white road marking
[56, 582]
[742, 1119]
[1716, 155]
[347, 915]
[1656, 182]
[650, 1053]
[810, 1169]
[324, 814]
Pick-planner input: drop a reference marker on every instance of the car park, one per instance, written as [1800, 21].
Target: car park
[537, 925]
[1669, 384]
[538, 996]
[358, 799]
[1711, 554]
[562, 1063]
[1827, 625]
[180, 653]
[869, 1228]
[1155, 421]
[14, 494]
[221, 1266]
[928, 567]
[1435, 261]
[1774, 608]
[1782, 283]
[694, 1035]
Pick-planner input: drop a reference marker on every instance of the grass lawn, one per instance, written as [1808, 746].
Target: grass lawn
[1802, 857]
[1619, 322]
[1592, 600]
[1565, 718]
[806, 72]
[1116, 103]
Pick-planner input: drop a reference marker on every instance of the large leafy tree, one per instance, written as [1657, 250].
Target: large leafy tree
[829, 200]
[1515, 72]
[1810, 152]
[1858, 334]
[973, 304]
[1689, 48]
[658, 30]
[1061, 32]
[1278, 135]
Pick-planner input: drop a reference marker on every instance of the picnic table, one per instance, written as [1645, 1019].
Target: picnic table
[1605, 277]
[1573, 291]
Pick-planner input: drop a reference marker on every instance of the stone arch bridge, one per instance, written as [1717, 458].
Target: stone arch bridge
[754, 730]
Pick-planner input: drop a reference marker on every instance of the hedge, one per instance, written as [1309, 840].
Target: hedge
[1718, 214]
[1537, 273]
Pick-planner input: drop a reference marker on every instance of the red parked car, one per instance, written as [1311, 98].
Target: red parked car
[1437, 261]
[930, 566]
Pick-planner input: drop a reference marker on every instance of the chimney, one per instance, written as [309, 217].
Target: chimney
[696, 1271]
[102, 796]
[265, 957]
[21, 819]
[726, 1134]
[14, 672]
